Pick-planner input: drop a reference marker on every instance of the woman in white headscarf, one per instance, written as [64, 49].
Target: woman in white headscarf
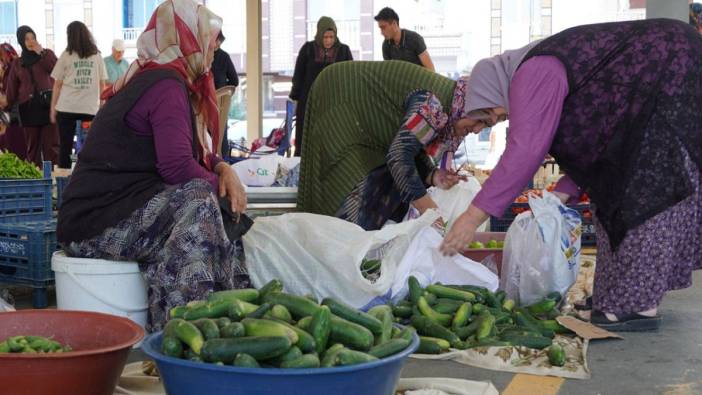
[146, 186]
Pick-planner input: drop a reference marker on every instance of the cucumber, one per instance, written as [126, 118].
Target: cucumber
[222, 322]
[428, 327]
[395, 332]
[349, 334]
[390, 347]
[542, 307]
[172, 347]
[320, 328]
[430, 298]
[208, 327]
[462, 316]
[446, 308]
[383, 313]
[271, 286]
[350, 314]
[491, 342]
[188, 333]
[280, 312]
[298, 306]
[486, 326]
[415, 289]
[260, 311]
[245, 295]
[346, 357]
[555, 295]
[263, 327]
[329, 356]
[427, 311]
[451, 293]
[478, 308]
[238, 309]
[432, 345]
[191, 356]
[501, 296]
[492, 300]
[552, 325]
[195, 303]
[306, 361]
[304, 323]
[525, 320]
[311, 297]
[305, 340]
[259, 347]
[402, 311]
[293, 353]
[508, 305]
[177, 312]
[467, 331]
[407, 333]
[208, 310]
[244, 360]
[4, 347]
[556, 355]
[234, 329]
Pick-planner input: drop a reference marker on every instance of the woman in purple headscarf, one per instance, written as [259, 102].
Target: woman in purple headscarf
[618, 106]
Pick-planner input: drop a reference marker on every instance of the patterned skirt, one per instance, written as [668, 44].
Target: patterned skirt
[655, 257]
[179, 241]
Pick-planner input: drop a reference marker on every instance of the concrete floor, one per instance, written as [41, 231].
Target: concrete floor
[667, 362]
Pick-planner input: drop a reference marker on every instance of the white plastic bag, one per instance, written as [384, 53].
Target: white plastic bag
[424, 261]
[258, 172]
[452, 202]
[542, 250]
[322, 255]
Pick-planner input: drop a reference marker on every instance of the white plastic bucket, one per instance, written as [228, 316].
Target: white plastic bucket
[112, 287]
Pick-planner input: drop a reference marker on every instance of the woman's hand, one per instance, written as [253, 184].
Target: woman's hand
[230, 187]
[463, 231]
[444, 179]
[52, 115]
[37, 48]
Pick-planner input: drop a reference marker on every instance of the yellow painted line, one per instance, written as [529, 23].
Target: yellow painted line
[527, 384]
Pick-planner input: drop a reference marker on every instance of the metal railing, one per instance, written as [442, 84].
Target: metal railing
[131, 33]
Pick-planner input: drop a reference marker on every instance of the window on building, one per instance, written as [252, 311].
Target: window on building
[138, 12]
[8, 17]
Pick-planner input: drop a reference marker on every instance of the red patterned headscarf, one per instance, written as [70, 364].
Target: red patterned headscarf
[181, 36]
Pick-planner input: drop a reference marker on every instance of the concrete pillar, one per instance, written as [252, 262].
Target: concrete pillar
[674, 9]
[254, 74]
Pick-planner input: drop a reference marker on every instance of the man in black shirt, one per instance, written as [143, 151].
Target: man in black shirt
[224, 74]
[401, 44]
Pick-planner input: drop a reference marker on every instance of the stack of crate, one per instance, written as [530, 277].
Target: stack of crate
[27, 234]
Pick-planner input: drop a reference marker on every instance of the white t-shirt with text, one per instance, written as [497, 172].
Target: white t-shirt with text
[81, 78]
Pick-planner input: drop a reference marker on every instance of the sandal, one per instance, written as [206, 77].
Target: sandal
[586, 306]
[633, 322]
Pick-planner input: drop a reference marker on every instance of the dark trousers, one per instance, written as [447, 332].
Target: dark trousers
[42, 143]
[67, 129]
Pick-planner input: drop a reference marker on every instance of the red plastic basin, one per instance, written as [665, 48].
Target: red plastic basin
[100, 342]
[479, 254]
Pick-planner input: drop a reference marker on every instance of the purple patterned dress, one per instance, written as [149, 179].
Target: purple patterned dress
[630, 135]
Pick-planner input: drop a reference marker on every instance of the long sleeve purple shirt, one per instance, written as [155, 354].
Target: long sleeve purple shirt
[536, 97]
[163, 111]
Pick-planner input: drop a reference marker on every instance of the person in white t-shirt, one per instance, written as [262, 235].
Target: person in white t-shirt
[79, 78]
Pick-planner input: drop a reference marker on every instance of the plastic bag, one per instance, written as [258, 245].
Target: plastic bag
[258, 172]
[452, 202]
[4, 304]
[542, 250]
[424, 261]
[322, 255]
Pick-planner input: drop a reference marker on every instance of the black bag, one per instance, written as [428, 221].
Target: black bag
[36, 110]
[235, 224]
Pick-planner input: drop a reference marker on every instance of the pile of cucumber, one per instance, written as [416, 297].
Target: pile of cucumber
[32, 345]
[270, 328]
[464, 316]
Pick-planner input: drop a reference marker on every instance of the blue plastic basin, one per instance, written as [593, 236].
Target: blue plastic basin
[183, 377]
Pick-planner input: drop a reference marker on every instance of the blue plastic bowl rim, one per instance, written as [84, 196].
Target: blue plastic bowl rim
[155, 354]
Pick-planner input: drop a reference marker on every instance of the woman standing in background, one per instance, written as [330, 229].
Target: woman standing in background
[79, 77]
[12, 138]
[314, 56]
[29, 86]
